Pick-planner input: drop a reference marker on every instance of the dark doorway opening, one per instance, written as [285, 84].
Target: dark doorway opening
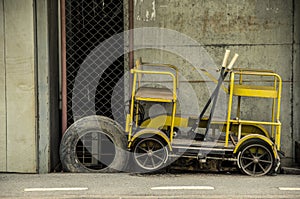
[88, 24]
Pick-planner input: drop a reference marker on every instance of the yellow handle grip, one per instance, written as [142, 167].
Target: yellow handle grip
[225, 58]
[232, 61]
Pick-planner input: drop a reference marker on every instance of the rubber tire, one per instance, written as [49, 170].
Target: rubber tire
[88, 124]
[135, 167]
[256, 141]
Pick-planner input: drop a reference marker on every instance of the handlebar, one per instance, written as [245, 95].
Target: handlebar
[229, 67]
[225, 58]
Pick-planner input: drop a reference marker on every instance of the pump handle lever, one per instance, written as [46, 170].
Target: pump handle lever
[229, 67]
[224, 63]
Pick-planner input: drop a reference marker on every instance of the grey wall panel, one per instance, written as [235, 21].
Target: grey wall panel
[2, 93]
[20, 84]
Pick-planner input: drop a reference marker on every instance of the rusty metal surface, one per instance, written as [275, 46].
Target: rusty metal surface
[63, 67]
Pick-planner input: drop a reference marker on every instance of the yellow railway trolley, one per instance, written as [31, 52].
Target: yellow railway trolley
[154, 143]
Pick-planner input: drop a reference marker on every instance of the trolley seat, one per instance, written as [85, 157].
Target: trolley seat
[153, 83]
[156, 92]
[252, 89]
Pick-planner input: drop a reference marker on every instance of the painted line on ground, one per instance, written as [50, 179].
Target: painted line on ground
[183, 188]
[289, 188]
[57, 189]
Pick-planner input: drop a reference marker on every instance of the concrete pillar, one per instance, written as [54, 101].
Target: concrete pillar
[296, 76]
[43, 86]
[47, 84]
[20, 79]
[3, 92]
[29, 118]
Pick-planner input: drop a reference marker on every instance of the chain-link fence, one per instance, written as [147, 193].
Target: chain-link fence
[88, 25]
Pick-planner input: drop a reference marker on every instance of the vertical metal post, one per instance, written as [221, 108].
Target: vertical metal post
[274, 109]
[215, 99]
[231, 84]
[131, 64]
[131, 35]
[238, 112]
[63, 67]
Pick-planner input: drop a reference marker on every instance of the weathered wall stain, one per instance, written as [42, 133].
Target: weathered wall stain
[145, 10]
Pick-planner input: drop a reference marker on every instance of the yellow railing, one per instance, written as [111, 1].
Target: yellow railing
[138, 73]
[242, 90]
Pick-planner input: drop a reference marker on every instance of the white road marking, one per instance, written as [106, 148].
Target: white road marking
[183, 188]
[57, 189]
[289, 188]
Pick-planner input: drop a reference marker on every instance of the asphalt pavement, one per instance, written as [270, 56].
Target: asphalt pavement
[126, 185]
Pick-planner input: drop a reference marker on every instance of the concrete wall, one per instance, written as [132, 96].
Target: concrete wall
[17, 87]
[3, 94]
[29, 100]
[47, 84]
[296, 72]
[262, 32]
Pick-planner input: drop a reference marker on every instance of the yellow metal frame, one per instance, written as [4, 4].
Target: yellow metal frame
[257, 136]
[245, 129]
[162, 121]
[241, 90]
[138, 72]
[150, 132]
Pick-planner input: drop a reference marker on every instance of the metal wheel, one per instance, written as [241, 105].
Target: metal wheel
[256, 159]
[150, 154]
